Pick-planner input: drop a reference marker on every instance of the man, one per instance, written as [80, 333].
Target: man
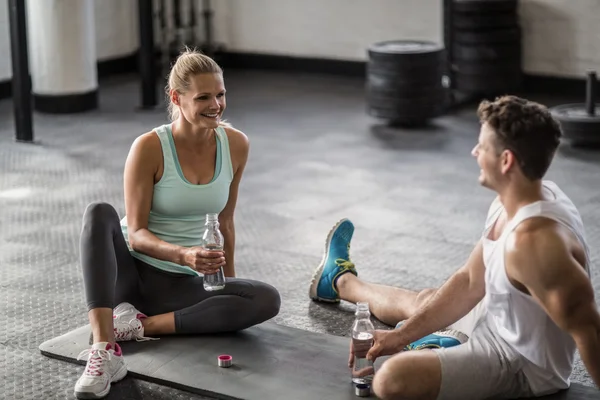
[523, 298]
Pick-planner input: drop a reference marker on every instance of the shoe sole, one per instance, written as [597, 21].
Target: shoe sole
[121, 373]
[454, 334]
[312, 291]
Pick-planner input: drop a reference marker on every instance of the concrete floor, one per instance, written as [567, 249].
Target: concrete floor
[315, 157]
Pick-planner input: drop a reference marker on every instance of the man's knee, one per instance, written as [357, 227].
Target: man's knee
[408, 376]
[388, 382]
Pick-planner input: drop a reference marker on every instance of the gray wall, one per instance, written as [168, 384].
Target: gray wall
[561, 38]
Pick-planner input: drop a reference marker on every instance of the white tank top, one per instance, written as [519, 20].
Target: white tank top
[518, 318]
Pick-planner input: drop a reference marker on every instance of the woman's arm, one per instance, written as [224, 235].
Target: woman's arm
[141, 167]
[239, 147]
[141, 170]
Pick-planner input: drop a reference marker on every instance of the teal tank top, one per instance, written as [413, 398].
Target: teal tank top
[179, 208]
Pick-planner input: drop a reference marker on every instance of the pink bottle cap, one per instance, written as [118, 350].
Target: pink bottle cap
[224, 360]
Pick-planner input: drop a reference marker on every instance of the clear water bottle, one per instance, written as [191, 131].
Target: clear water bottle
[213, 240]
[362, 341]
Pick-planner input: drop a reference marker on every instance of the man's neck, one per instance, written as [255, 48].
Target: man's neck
[518, 195]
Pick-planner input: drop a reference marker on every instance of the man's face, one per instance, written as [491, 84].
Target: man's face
[488, 159]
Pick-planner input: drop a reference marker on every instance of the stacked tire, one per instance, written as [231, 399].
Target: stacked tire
[486, 50]
[404, 81]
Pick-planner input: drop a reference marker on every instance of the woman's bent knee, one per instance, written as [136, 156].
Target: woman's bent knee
[269, 301]
[99, 212]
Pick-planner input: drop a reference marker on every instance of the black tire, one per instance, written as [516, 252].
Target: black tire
[485, 6]
[486, 52]
[404, 80]
[408, 116]
[580, 129]
[405, 89]
[484, 22]
[500, 83]
[413, 51]
[496, 36]
[426, 76]
[490, 69]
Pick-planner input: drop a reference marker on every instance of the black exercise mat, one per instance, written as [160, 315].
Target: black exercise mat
[270, 361]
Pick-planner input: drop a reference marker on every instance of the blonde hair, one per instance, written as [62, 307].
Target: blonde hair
[190, 62]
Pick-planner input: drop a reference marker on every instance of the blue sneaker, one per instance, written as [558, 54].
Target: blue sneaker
[440, 339]
[335, 262]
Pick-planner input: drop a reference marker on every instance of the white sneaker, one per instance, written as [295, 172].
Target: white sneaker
[105, 365]
[127, 323]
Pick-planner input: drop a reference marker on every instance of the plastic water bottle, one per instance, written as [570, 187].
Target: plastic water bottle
[213, 240]
[362, 341]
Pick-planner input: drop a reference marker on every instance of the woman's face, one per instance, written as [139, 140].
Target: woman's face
[203, 104]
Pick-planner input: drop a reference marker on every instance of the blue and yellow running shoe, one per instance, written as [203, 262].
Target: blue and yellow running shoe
[440, 339]
[335, 263]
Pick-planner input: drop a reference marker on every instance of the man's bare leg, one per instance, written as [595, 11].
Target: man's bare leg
[411, 375]
[388, 304]
[335, 279]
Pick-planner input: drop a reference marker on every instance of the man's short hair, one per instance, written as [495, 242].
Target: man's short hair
[524, 127]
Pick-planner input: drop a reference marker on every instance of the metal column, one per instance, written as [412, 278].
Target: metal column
[209, 48]
[447, 12]
[147, 62]
[21, 82]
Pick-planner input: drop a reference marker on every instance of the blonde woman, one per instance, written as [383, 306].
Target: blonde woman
[150, 264]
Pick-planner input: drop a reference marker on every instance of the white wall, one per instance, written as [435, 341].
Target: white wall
[340, 29]
[5, 59]
[561, 38]
[115, 24]
[116, 28]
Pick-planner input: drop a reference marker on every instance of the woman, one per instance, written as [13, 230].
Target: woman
[150, 263]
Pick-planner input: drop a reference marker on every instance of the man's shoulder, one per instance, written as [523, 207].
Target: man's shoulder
[537, 246]
[536, 234]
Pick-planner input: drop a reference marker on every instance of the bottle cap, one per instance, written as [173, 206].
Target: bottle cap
[362, 390]
[212, 217]
[224, 360]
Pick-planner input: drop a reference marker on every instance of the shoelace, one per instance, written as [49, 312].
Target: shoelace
[95, 364]
[345, 264]
[130, 329]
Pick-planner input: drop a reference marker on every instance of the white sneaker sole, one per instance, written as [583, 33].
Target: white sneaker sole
[314, 283]
[121, 373]
[124, 308]
[454, 334]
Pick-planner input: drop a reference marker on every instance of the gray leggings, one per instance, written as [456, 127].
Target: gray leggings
[112, 276]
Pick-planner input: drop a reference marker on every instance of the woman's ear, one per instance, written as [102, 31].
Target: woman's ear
[174, 97]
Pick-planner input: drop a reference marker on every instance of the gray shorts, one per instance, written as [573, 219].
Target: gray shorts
[485, 367]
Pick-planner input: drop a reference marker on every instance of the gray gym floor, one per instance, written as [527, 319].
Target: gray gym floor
[315, 157]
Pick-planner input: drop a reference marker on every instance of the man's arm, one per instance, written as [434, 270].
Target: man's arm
[451, 302]
[540, 258]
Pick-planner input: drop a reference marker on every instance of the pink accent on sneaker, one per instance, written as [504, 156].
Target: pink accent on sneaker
[118, 351]
[127, 323]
